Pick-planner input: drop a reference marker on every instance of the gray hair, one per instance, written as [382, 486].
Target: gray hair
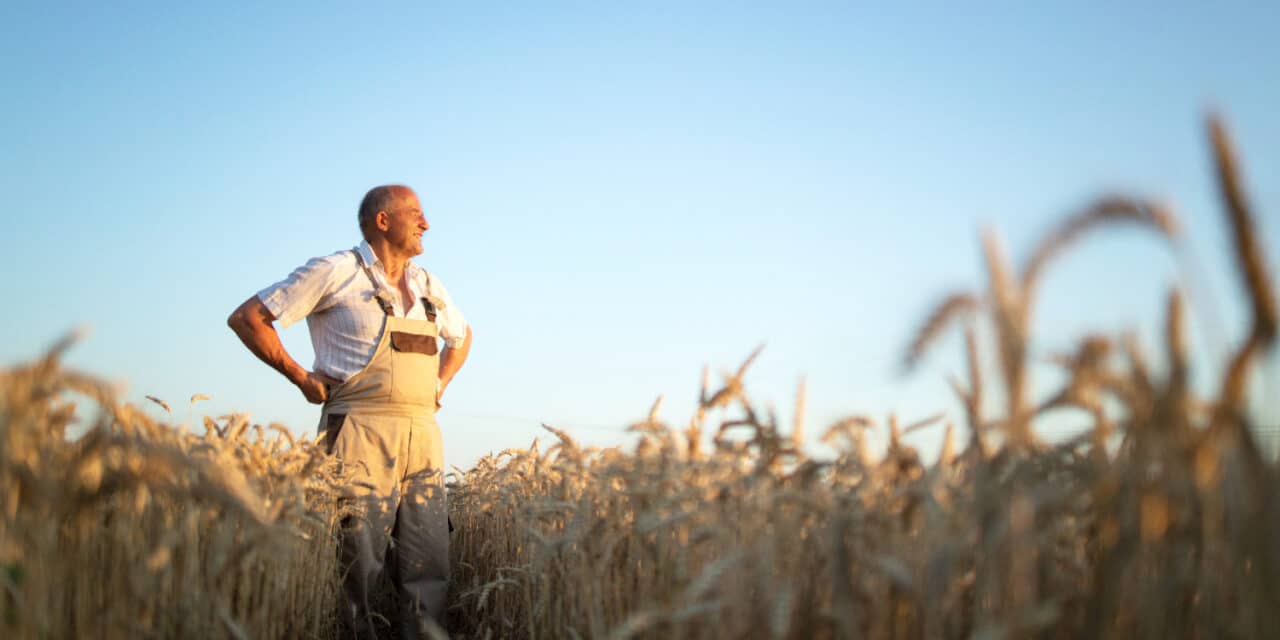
[381, 198]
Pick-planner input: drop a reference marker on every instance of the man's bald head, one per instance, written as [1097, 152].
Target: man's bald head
[387, 197]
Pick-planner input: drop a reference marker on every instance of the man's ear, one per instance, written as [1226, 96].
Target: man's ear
[382, 220]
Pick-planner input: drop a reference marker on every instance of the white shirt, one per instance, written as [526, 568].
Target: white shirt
[344, 317]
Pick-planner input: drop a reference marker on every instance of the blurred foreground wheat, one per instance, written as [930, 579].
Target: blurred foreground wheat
[138, 529]
[1161, 520]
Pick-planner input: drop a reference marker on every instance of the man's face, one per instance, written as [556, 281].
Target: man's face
[406, 225]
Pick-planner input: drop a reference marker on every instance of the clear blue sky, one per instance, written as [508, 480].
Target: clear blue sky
[618, 194]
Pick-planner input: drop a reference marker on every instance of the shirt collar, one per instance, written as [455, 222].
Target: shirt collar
[366, 253]
[415, 272]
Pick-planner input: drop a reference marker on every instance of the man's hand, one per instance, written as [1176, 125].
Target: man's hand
[315, 386]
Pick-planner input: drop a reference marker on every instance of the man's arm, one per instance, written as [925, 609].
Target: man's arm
[252, 323]
[451, 360]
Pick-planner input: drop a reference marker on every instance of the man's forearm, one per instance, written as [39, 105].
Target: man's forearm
[452, 359]
[251, 322]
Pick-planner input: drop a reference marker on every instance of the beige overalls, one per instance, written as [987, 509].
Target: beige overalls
[381, 423]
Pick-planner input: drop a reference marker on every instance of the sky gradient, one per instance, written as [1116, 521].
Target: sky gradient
[618, 195]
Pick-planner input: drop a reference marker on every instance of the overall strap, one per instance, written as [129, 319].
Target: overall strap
[429, 308]
[385, 304]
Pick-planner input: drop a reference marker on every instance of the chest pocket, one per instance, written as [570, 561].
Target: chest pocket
[414, 343]
[415, 361]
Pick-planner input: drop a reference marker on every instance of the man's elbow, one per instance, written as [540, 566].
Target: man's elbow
[234, 321]
[241, 320]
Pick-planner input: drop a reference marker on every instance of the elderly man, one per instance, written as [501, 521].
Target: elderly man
[374, 318]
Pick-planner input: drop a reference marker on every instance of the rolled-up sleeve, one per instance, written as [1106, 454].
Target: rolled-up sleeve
[452, 324]
[303, 292]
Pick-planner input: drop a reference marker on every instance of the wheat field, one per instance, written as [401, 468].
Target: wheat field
[1161, 520]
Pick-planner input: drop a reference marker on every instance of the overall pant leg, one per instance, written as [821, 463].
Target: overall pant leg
[368, 446]
[422, 532]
